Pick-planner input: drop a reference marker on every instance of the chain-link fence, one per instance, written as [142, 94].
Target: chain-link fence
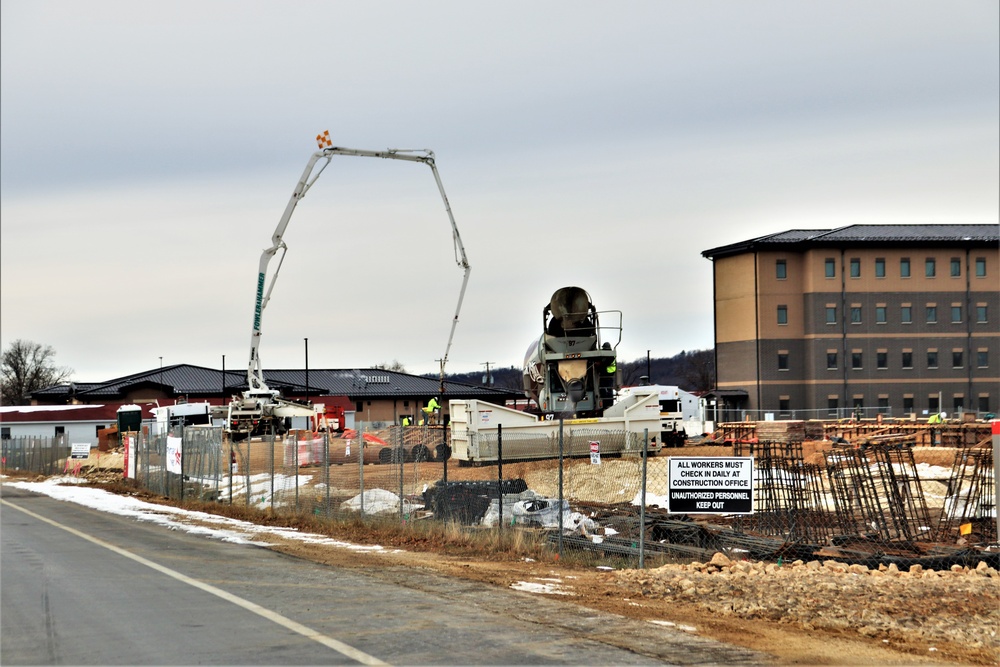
[45, 456]
[597, 495]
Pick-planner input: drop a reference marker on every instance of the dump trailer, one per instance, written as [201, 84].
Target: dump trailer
[624, 428]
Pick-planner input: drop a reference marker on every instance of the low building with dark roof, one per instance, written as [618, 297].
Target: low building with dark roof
[371, 395]
[891, 319]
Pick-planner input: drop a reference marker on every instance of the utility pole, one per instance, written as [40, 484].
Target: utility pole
[488, 378]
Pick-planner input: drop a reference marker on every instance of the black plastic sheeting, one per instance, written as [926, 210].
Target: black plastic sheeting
[467, 502]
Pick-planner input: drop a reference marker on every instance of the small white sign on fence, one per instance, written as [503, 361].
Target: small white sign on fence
[80, 450]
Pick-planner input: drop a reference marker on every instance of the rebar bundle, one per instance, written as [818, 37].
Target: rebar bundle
[971, 497]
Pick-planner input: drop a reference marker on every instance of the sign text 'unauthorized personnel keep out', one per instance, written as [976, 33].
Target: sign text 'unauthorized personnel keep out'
[710, 485]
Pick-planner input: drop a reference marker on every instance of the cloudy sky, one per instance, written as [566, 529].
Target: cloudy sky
[149, 149]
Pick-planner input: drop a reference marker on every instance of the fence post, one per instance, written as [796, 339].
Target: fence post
[402, 471]
[500, 476]
[361, 465]
[326, 464]
[182, 461]
[295, 439]
[642, 504]
[560, 552]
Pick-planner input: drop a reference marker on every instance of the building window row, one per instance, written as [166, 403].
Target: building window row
[933, 403]
[905, 268]
[933, 359]
[856, 312]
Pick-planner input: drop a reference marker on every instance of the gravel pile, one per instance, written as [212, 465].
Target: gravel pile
[960, 606]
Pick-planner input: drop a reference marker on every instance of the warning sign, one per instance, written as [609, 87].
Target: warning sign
[710, 485]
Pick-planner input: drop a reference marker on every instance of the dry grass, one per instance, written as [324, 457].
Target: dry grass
[448, 538]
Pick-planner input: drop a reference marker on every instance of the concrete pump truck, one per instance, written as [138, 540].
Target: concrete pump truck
[261, 409]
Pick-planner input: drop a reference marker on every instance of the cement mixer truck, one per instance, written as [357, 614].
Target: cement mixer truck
[569, 373]
[570, 370]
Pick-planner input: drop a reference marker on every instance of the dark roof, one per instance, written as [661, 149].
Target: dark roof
[197, 382]
[866, 235]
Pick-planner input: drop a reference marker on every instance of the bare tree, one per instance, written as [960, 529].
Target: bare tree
[699, 370]
[26, 367]
[396, 366]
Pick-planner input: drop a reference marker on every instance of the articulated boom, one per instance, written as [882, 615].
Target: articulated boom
[261, 407]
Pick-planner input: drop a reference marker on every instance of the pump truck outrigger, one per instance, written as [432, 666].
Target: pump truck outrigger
[261, 410]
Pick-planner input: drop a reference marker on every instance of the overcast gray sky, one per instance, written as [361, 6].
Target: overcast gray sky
[149, 149]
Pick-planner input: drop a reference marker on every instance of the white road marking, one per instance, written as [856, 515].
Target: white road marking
[274, 617]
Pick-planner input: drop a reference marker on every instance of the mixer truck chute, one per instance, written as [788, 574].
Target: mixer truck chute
[261, 409]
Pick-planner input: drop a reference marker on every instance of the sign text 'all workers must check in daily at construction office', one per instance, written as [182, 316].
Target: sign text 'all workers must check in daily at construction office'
[710, 485]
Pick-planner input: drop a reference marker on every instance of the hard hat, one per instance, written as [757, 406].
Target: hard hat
[944, 415]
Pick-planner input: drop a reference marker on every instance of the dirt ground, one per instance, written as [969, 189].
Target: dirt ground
[654, 596]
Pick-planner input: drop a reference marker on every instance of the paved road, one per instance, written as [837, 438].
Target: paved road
[85, 587]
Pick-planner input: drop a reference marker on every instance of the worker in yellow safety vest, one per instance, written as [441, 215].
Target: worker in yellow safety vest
[406, 421]
[431, 411]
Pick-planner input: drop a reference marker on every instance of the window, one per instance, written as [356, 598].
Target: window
[983, 358]
[831, 361]
[830, 267]
[97, 430]
[882, 360]
[880, 315]
[855, 314]
[880, 267]
[832, 406]
[4, 432]
[782, 314]
[930, 267]
[931, 314]
[956, 314]
[831, 314]
[782, 361]
[907, 404]
[904, 267]
[958, 403]
[981, 314]
[984, 403]
[60, 430]
[980, 267]
[883, 405]
[932, 359]
[933, 405]
[359, 407]
[956, 359]
[783, 405]
[855, 267]
[781, 269]
[906, 314]
[907, 359]
[856, 360]
[956, 267]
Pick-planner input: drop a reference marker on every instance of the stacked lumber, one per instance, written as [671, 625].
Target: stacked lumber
[785, 431]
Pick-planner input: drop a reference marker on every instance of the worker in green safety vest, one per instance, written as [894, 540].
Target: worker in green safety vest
[431, 411]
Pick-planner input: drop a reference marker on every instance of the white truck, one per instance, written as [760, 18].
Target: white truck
[672, 432]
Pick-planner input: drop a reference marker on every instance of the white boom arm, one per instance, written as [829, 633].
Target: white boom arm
[255, 377]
